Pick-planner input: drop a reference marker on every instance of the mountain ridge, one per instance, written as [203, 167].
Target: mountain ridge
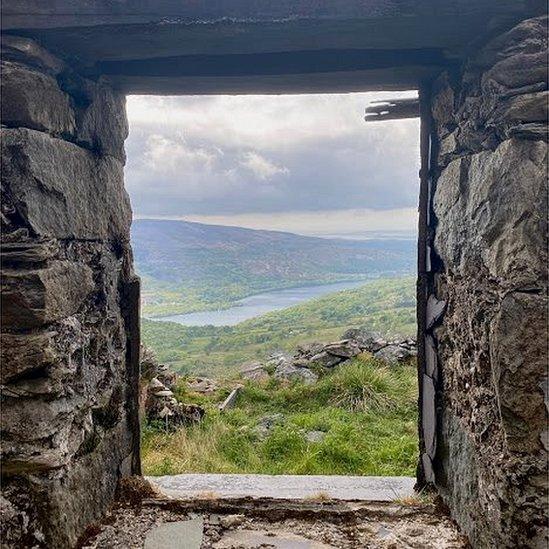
[189, 266]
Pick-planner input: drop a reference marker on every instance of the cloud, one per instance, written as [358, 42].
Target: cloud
[261, 167]
[172, 156]
[245, 155]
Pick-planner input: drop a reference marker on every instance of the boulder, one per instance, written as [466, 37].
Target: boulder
[286, 370]
[308, 349]
[346, 348]
[254, 371]
[365, 338]
[394, 353]
[326, 360]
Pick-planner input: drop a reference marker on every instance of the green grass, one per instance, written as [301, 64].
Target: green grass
[385, 305]
[367, 409]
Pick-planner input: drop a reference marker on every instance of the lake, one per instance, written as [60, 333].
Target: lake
[259, 304]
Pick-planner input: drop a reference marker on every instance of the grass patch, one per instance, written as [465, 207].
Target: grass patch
[367, 410]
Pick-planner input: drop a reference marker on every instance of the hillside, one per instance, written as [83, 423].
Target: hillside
[387, 306]
[192, 266]
[359, 418]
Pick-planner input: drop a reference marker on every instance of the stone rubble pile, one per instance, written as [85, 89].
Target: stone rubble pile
[314, 356]
[158, 400]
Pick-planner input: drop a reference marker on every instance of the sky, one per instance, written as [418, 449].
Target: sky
[302, 163]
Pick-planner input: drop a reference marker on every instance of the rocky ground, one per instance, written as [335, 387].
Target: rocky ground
[308, 360]
[158, 402]
[211, 523]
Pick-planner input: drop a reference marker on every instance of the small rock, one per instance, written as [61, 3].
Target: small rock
[315, 436]
[346, 348]
[231, 521]
[289, 371]
[308, 349]
[155, 384]
[266, 425]
[326, 360]
[254, 371]
[202, 385]
[164, 393]
[394, 353]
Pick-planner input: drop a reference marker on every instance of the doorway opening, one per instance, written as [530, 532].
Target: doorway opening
[276, 241]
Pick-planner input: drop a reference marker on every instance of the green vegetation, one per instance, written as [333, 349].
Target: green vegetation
[367, 410]
[385, 305]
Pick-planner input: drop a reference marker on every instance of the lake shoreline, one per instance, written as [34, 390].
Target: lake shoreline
[259, 304]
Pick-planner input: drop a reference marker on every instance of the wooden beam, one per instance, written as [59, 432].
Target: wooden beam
[392, 109]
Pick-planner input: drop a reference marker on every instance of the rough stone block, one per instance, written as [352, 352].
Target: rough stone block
[24, 354]
[32, 99]
[53, 509]
[18, 252]
[529, 107]
[62, 190]
[492, 209]
[102, 125]
[518, 343]
[41, 434]
[35, 297]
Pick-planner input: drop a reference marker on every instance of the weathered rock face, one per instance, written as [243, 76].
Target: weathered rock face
[490, 261]
[70, 323]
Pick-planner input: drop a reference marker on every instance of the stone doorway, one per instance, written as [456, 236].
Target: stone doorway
[70, 298]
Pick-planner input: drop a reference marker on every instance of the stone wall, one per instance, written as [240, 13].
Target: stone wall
[489, 213]
[69, 300]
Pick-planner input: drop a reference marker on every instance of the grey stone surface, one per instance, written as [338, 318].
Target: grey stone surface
[183, 534]
[33, 99]
[287, 486]
[276, 539]
[491, 240]
[69, 393]
[37, 297]
[394, 353]
[254, 371]
[287, 370]
[316, 46]
[64, 191]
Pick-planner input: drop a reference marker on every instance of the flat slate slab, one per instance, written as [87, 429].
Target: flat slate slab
[286, 486]
[182, 534]
[275, 539]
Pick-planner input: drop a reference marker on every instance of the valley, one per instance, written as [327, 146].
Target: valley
[386, 306]
[190, 267]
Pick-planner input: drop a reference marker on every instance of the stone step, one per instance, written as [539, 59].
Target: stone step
[345, 488]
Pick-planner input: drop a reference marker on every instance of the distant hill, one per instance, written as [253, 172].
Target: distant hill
[192, 266]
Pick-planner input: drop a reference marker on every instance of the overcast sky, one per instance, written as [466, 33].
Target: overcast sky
[304, 163]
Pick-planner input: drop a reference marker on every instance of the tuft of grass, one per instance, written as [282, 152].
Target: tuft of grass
[320, 497]
[366, 409]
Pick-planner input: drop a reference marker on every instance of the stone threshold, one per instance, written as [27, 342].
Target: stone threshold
[285, 487]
